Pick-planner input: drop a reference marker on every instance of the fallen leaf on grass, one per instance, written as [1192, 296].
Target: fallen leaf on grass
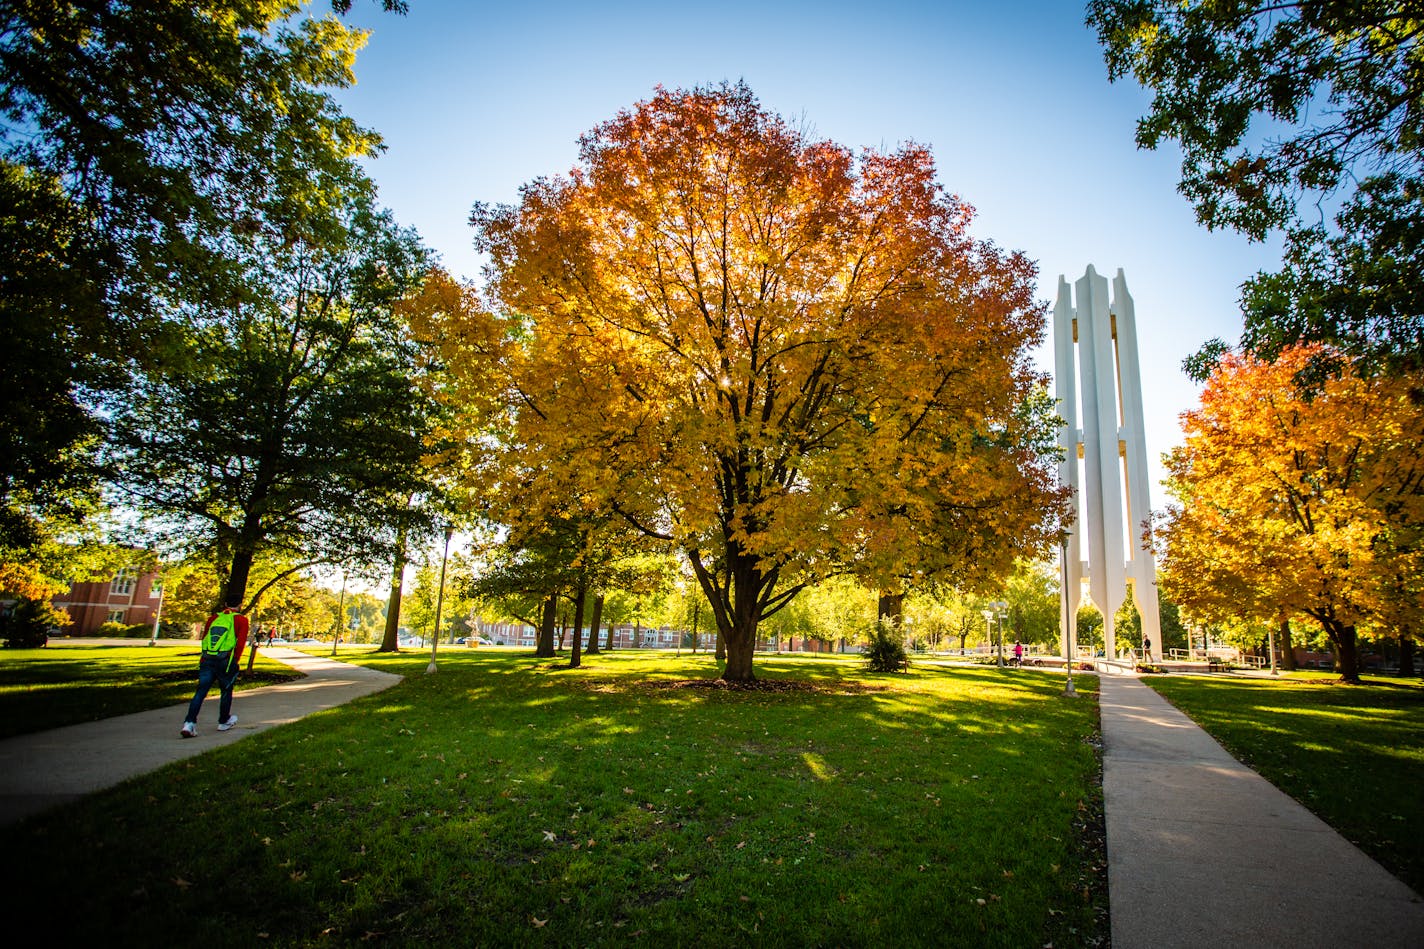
[538, 923]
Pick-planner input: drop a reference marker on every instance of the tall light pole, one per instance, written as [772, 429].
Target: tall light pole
[158, 615]
[1069, 635]
[341, 619]
[439, 599]
[999, 606]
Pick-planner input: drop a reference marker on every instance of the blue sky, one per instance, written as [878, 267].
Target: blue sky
[475, 98]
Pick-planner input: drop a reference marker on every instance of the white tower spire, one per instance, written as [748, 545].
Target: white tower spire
[1112, 446]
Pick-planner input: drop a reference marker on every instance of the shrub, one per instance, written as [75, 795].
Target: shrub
[885, 648]
[29, 623]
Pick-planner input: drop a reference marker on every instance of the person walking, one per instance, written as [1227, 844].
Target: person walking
[1018, 653]
[224, 638]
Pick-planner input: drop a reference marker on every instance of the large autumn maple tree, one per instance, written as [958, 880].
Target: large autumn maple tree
[1301, 495]
[787, 360]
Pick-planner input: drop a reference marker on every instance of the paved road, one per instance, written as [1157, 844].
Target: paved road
[45, 769]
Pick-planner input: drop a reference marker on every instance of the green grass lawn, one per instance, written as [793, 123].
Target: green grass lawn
[510, 801]
[1352, 754]
[68, 684]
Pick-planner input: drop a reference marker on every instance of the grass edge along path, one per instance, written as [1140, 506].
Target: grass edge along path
[70, 684]
[505, 801]
[1352, 755]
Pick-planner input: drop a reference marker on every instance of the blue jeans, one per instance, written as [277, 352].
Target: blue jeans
[214, 669]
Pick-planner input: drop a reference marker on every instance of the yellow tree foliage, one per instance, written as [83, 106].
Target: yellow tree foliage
[785, 359]
[1300, 493]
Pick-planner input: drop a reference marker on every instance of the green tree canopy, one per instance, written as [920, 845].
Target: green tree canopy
[295, 425]
[1283, 110]
[142, 144]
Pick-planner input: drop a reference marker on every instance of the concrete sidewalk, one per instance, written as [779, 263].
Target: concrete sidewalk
[46, 769]
[1202, 851]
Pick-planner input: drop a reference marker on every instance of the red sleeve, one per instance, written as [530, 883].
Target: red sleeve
[239, 629]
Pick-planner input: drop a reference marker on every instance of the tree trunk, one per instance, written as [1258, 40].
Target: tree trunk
[637, 632]
[1342, 636]
[720, 651]
[1406, 654]
[576, 651]
[738, 625]
[740, 650]
[891, 607]
[390, 639]
[1287, 647]
[544, 644]
[235, 589]
[593, 625]
[609, 642]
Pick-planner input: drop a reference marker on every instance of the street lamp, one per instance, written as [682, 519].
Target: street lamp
[341, 619]
[158, 614]
[439, 599]
[1069, 635]
[999, 607]
[996, 610]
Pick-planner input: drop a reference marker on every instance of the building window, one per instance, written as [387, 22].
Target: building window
[115, 616]
[123, 584]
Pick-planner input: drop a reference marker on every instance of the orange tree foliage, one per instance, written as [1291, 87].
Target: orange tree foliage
[784, 359]
[1300, 497]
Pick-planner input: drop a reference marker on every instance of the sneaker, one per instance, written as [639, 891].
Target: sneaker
[189, 730]
[231, 721]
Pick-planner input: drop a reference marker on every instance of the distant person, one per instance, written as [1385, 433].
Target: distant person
[224, 638]
[1018, 653]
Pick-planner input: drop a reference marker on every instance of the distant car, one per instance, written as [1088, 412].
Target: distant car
[278, 641]
[460, 641]
[485, 642]
[308, 641]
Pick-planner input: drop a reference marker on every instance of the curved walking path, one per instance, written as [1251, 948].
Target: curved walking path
[46, 769]
[1203, 851]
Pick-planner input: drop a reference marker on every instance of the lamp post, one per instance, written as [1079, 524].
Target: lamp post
[999, 607]
[341, 619]
[158, 614]
[439, 599]
[1069, 634]
[1271, 632]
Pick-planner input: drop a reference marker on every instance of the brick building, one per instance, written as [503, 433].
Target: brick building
[130, 597]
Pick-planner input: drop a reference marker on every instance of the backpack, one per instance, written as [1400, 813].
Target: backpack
[221, 636]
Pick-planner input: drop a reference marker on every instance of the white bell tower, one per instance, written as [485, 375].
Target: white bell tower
[1113, 449]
